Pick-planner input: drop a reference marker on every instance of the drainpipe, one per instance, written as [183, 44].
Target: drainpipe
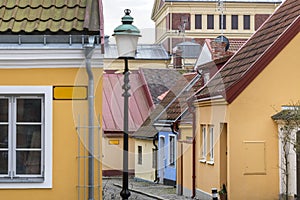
[88, 52]
[194, 153]
[156, 149]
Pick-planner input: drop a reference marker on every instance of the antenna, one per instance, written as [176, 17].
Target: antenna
[181, 28]
[220, 7]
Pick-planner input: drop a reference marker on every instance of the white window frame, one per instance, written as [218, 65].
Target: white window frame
[204, 142]
[46, 92]
[211, 144]
[172, 152]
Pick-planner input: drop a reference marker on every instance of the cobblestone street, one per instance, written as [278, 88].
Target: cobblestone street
[139, 190]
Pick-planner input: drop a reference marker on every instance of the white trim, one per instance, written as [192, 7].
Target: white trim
[47, 58]
[211, 144]
[175, 147]
[47, 92]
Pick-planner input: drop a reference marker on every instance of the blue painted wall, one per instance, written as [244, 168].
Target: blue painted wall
[169, 170]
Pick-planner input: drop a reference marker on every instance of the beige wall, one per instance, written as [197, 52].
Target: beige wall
[65, 139]
[145, 170]
[113, 154]
[206, 8]
[118, 64]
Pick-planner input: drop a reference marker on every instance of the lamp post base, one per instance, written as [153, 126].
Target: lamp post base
[125, 194]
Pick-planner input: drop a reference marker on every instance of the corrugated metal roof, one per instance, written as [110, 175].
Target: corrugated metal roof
[44, 15]
[144, 52]
[256, 54]
[140, 104]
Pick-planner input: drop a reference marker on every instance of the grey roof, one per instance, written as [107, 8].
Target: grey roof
[241, 1]
[160, 81]
[144, 52]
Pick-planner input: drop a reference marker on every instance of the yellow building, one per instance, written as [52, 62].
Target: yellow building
[50, 61]
[179, 20]
[236, 140]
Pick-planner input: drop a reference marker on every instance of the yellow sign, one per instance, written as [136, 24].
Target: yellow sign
[69, 92]
[113, 142]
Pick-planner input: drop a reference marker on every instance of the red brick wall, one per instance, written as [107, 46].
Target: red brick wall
[260, 19]
[178, 18]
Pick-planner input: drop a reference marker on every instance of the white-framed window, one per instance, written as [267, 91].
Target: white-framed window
[204, 140]
[211, 143]
[140, 155]
[25, 136]
[172, 150]
[154, 158]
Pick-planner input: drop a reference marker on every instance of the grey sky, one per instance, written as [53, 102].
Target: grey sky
[140, 11]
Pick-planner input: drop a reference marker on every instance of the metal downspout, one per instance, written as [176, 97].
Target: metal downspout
[156, 149]
[88, 52]
[194, 154]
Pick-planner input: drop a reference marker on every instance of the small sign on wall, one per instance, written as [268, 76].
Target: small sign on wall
[70, 92]
[113, 142]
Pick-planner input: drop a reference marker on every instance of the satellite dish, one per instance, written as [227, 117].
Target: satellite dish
[222, 38]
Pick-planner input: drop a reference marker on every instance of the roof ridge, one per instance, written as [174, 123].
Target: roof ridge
[273, 33]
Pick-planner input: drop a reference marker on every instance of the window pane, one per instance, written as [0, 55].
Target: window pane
[210, 22]
[140, 153]
[198, 21]
[3, 110]
[3, 162]
[28, 110]
[28, 162]
[247, 22]
[234, 22]
[3, 136]
[28, 136]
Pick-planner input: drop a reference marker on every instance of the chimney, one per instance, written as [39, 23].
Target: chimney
[218, 49]
[177, 58]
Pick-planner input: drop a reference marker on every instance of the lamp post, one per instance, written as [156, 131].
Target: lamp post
[126, 36]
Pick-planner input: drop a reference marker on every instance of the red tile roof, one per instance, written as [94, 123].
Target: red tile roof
[140, 103]
[256, 54]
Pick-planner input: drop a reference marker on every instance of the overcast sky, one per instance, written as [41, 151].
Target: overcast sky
[140, 11]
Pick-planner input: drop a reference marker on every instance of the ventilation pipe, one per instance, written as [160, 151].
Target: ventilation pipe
[88, 52]
[156, 149]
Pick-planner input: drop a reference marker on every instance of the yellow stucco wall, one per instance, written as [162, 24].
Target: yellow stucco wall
[145, 170]
[184, 160]
[208, 173]
[65, 140]
[252, 139]
[277, 85]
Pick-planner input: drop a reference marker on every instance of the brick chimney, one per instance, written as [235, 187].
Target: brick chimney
[218, 49]
[177, 58]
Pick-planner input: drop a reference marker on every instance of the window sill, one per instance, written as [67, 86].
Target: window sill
[22, 180]
[202, 161]
[211, 162]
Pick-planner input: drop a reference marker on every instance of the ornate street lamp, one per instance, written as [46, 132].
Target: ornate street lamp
[126, 36]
